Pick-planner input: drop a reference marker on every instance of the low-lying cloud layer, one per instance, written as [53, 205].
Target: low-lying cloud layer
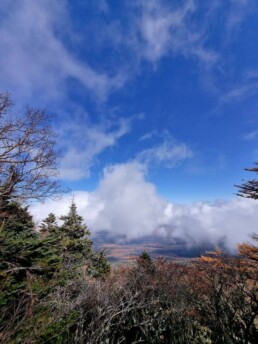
[126, 204]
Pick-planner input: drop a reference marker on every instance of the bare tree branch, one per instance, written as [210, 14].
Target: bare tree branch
[28, 159]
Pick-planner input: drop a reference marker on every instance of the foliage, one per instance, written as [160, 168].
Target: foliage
[20, 263]
[145, 263]
[249, 250]
[99, 265]
[50, 293]
[227, 298]
[212, 300]
[33, 264]
[49, 225]
[249, 189]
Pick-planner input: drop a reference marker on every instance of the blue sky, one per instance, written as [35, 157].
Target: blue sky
[147, 96]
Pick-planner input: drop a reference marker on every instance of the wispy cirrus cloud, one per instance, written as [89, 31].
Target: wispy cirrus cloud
[238, 10]
[165, 29]
[149, 31]
[252, 135]
[246, 86]
[84, 141]
[240, 91]
[169, 153]
[34, 58]
[37, 56]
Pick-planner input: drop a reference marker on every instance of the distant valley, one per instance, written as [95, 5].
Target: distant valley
[118, 249]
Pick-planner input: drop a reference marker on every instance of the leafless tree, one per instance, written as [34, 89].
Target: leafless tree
[28, 159]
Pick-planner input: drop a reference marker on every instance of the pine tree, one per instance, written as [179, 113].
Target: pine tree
[74, 235]
[25, 257]
[49, 225]
[249, 189]
[73, 226]
[19, 241]
[76, 246]
[21, 252]
[35, 264]
[145, 263]
[99, 265]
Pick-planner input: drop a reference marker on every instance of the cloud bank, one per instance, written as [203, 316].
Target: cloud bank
[126, 204]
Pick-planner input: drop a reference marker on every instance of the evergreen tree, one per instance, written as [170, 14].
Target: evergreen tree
[26, 259]
[77, 248]
[145, 263]
[99, 265]
[33, 265]
[73, 226]
[74, 238]
[49, 225]
[21, 252]
[249, 189]
[49, 231]
[19, 241]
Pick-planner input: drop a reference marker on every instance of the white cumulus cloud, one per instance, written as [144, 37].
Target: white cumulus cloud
[126, 204]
